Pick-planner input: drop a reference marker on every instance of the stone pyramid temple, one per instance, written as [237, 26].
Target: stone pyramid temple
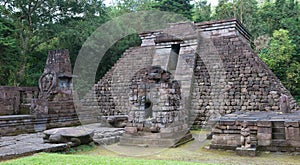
[185, 75]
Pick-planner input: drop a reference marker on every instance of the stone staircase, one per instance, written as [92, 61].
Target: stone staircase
[113, 89]
[278, 134]
[110, 96]
[87, 110]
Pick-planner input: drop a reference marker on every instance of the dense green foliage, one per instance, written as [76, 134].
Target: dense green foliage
[29, 28]
[202, 11]
[279, 57]
[9, 58]
[183, 7]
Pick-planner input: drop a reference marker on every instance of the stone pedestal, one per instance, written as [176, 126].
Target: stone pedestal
[246, 151]
[39, 106]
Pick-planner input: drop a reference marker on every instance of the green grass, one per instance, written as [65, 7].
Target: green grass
[67, 159]
[81, 148]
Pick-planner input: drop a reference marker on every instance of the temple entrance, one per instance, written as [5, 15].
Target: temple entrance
[156, 117]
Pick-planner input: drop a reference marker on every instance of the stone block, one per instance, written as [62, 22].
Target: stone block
[246, 151]
[264, 123]
[264, 142]
[221, 126]
[233, 142]
[227, 122]
[167, 130]
[131, 130]
[264, 136]
[232, 131]
[217, 139]
[279, 142]
[216, 130]
[264, 130]
[278, 123]
[292, 133]
[294, 124]
[294, 143]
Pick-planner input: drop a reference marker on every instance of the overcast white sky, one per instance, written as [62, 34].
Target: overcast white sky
[212, 2]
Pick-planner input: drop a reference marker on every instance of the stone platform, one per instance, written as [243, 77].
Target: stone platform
[270, 131]
[156, 140]
[27, 144]
[246, 151]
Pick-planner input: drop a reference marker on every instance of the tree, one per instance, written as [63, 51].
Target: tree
[281, 14]
[244, 11]
[224, 10]
[279, 58]
[8, 52]
[182, 7]
[202, 11]
[41, 23]
[121, 7]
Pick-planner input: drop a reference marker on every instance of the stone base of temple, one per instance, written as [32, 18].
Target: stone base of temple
[269, 131]
[156, 139]
[246, 151]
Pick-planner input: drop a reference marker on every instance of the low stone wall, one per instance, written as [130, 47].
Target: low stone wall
[16, 100]
[270, 131]
[21, 124]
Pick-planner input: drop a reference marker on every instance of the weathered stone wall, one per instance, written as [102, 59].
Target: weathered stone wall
[230, 77]
[47, 107]
[20, 124]
[16, 100]
[270, 131]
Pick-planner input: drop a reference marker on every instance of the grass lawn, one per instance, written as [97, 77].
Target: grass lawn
[64, 159]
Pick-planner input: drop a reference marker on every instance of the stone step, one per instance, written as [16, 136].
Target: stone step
[278, 136]
[155, 142]
[279, 142]
[278, 130]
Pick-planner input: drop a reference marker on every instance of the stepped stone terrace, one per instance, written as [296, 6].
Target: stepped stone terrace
[216, 72]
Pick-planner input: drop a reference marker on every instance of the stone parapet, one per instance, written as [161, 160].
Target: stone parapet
[223, 28]
[270, 131]
[16, 100]
[22, 124]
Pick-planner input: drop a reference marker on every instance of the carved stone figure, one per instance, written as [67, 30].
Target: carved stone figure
[245, 135]
[46, 83]
[156, 95]
[284, 104]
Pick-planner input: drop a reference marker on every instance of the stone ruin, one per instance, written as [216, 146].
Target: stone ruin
[189, 75]
[31, 109]
[55, 85]
[193, 75]
[155, 118]
[55, 89]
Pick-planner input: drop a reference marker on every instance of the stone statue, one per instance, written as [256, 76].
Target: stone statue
[46, 83]
[284, 104]
[245, 135]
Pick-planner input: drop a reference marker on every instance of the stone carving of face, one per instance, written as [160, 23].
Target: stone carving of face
[154, 97]
[155, 74]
